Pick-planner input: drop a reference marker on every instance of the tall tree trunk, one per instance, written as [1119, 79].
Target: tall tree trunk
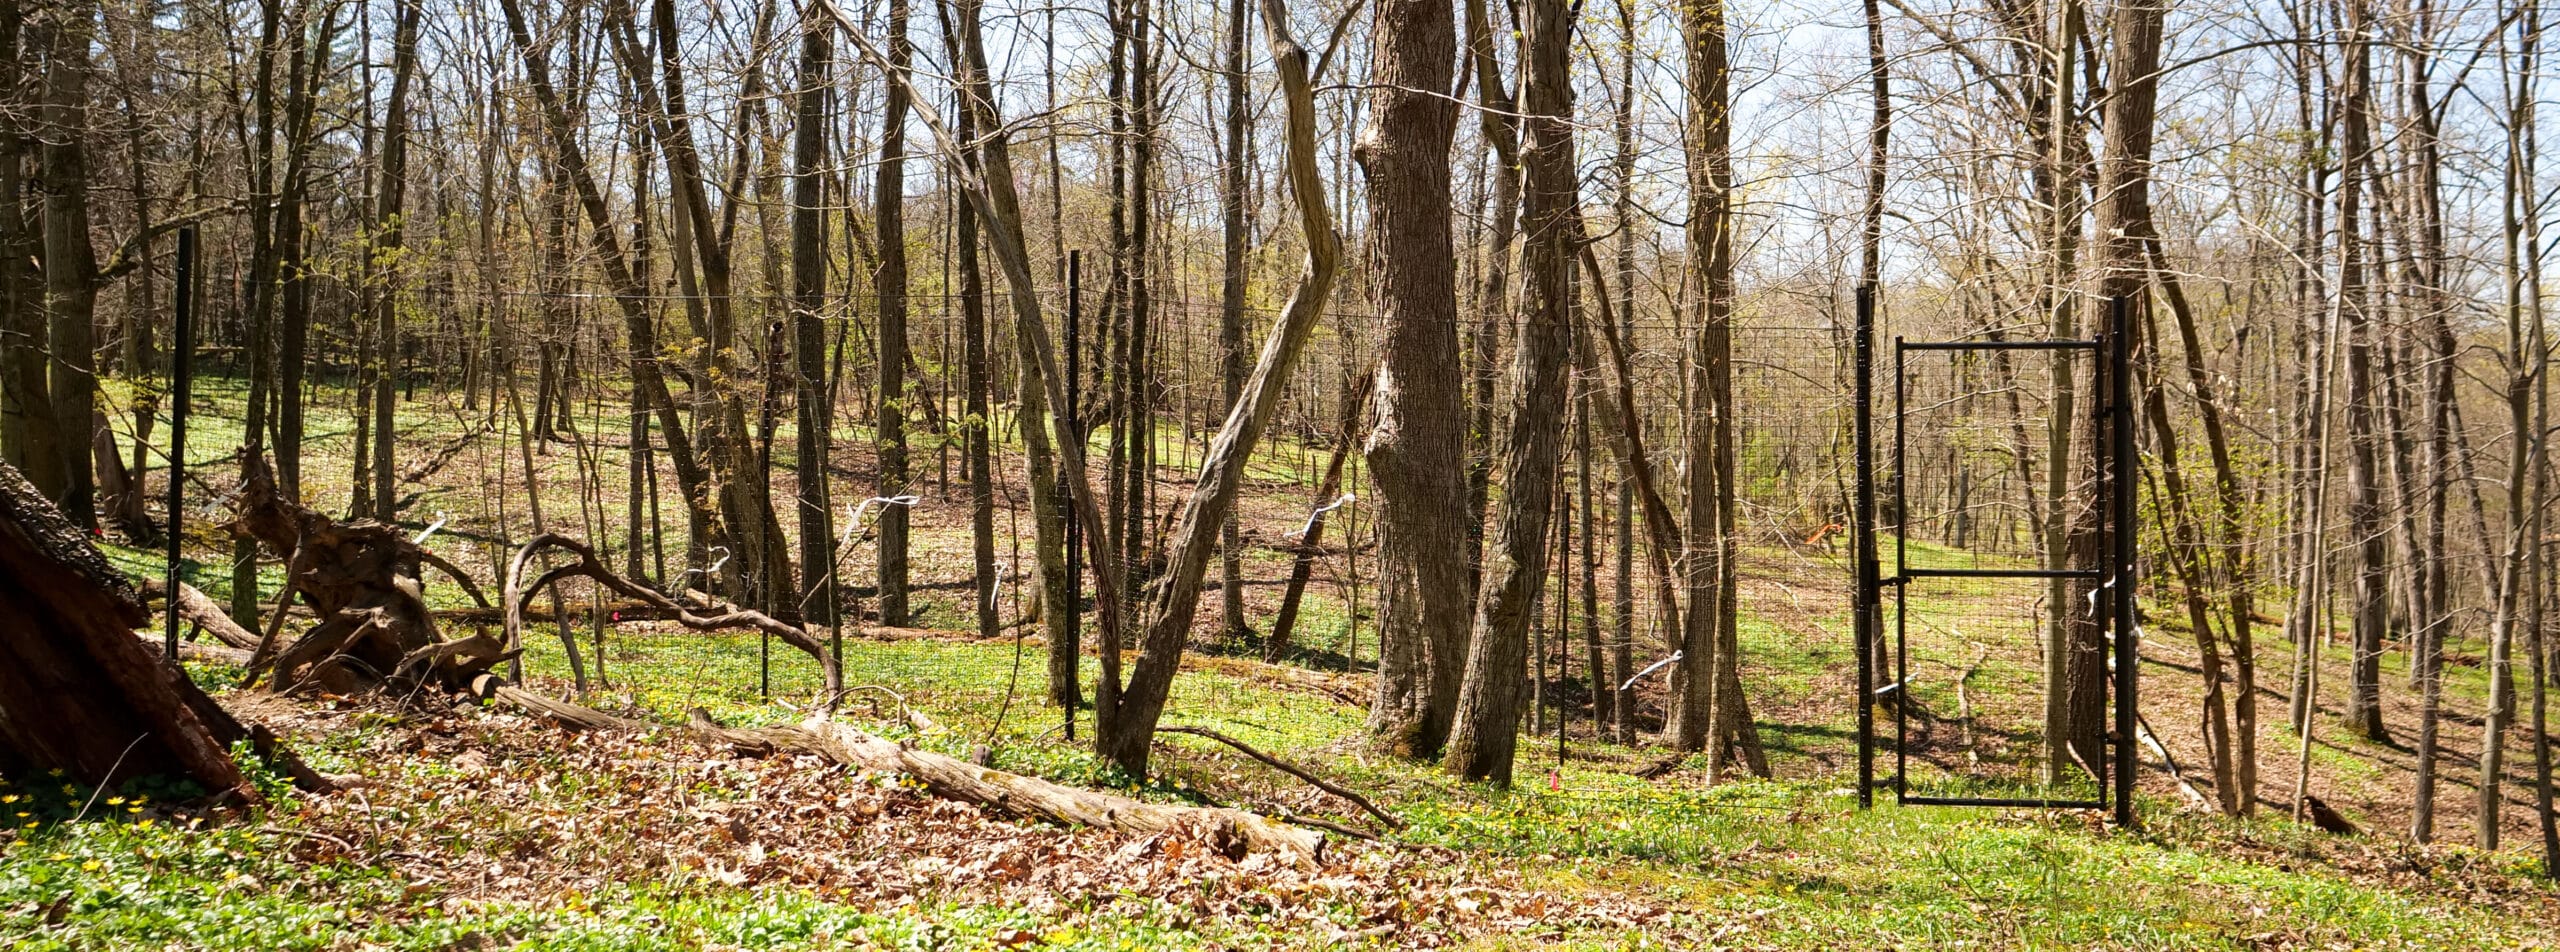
[2528, 364]
[1485, 727]
[816, 417]
[1231, 290]
[30, 434]
[2124, 190]
[1417, 449]
[2364, 466]
[889, 282]
[1125, 719]
[389, 206]
[70, 261]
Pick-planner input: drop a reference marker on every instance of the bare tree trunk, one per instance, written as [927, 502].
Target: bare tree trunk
[889, 282]
[816, 419]
[389, 207]
[1231, 297]
[30, 435]
[1484, 729]
[2528, 363]
[1417, 448]
[1125, 720]
[2124, 184]
[70, 262]
[2364, 474]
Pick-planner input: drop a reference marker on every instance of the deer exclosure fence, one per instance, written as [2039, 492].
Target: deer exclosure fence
[2003, 646]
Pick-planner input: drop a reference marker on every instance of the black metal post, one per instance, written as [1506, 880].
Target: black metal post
[181, 390]
[2121, 538]
[1901, 597]
[1074, 430]
[1866, 615]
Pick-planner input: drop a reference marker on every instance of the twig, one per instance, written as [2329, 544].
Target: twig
[1276, 763]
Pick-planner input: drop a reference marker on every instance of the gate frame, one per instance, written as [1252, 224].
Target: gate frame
[2115, 575]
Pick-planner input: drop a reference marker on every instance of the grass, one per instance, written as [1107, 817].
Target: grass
[1787, 864]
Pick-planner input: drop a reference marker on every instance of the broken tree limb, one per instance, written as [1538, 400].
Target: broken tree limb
[1285, 767]
[725, 617]
[2143, 726]
[198, 650]
[196, 608]
[1234, 833]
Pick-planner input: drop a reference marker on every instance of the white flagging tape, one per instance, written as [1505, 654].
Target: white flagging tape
[715, 566]
[1656, 666]
[1310, 525]
[430, 529]
[853, 513]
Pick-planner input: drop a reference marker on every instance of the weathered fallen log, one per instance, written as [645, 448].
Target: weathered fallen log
[726, 617]
[1234, 833]
[197, 650]
[202, 612]
[78, 692]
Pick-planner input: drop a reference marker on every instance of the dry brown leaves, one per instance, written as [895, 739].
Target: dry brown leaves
[480, 806]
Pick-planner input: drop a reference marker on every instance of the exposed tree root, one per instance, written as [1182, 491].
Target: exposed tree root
[361, 580]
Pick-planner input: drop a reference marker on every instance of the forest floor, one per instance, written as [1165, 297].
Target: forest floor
[480, 828]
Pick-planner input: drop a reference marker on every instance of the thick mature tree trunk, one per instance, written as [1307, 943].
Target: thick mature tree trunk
[1417, 450]
[2124, 180]
[1484, 731]
[1125, 719]
[1707, 700]
[70, 262]
[816, 406]
[30, 436]
[889, 282]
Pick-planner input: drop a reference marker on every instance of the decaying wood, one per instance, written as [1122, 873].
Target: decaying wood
[723, 617]
[197, 650]
[1234, 833]
[361, 580]
[204, 613]
[78, 692]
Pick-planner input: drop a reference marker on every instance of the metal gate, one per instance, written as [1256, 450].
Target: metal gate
[1980, 642]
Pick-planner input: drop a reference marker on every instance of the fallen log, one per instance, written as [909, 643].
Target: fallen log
[78, 692]
[727, 617]
[1233, 833]
[201, 611]
[197, 650]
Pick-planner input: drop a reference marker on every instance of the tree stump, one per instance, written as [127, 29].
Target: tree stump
[78, 692]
